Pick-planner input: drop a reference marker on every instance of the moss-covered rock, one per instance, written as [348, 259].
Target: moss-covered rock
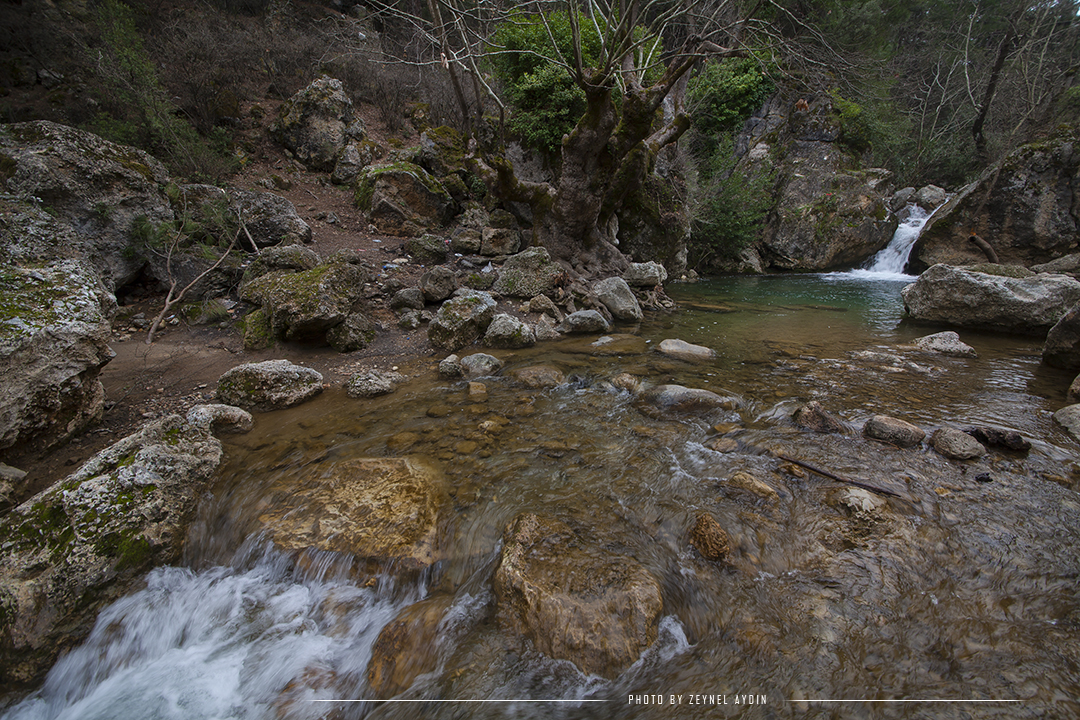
[461, 320]
[256, 331]
[530, 273]
[442, 151]
[316, 123]
[403, 199]
[305, 305]
[73, 548]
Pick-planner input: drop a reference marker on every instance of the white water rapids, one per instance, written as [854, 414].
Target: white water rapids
[889, 263]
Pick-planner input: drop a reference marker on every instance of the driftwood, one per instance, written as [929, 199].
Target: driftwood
[837, 478]
[985, 247]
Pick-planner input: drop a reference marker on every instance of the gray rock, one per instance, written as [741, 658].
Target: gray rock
[480, 365]
[545, 305]
[407, 299]
[946, 343]
[410, 320]
[403, 199]
[546, 330]
[94, 186]
[428, 249]
[686, 351]
[575, 602]
[270, 218]
[353, 158]
[1073, 394]
[269, 385]
[1069, 418]
[930, 197]
[812, 416]
[373, 383]
[499, 241]
[1067, 265]
[355, 333]
[1062, 347]
[539, 376]
[92, 536]
[288, 257]
[619, 299]
[893, 430]
[584, 321]
[438, 283]
[316, 123]
[506, 331]
[683, 400]
[217, 418]
[530, 273]
[450, 367]
[956, 444]
[461, 320]
[466, 240]
[647, 274]
[956, 296]
[900, 198]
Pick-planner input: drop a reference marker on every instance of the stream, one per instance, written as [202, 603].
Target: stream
[958, 599]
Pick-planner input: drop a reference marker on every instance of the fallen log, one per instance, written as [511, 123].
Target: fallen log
[837, 478]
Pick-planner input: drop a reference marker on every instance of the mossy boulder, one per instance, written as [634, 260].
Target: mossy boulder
[442, 151]
[73, 548]
[353, 158]
[574, 601]
[530, 273]
[403, 199]
[303, 306]
[461, 320]
[97, 187]
[428, 249]
[506, 331]
[316, 123]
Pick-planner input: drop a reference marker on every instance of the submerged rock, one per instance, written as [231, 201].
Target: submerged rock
[373, 383]
[812, 416]
[956, 444]
[539, 376]
[269, 385]
[404, 649]
[1000, 437]
[686, 351]
[957, 296]
[893, 430]
[946, 343]
[681, 400]
[709, 538]
[383, 511]
[73, 548]
[574, 601]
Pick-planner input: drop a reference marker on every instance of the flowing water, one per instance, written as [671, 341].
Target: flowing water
[965, 588]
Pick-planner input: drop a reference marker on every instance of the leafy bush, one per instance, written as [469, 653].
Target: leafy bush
[725, 93]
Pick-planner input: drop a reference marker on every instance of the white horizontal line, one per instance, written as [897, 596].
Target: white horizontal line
[910, 701]
[406, 700]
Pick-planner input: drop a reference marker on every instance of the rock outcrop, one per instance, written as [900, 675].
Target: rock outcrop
[1025, 208]
[965, 298]
[316, 123]
[596, 609]
[403, 199]
[73, 548]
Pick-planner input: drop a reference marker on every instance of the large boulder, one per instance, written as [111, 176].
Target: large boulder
[574, 601]
[506, 331]
[403, 199]
[269, 385]
[1062, 347]
[1025, 208]
[530, 273]
[270, 218]
[965, 298]
[95, 186]
[316, 123]
[830, 211]
[305, 305]
[89, 538]
[461, 320]
[383, 511]
[619, 299]
[54, 332]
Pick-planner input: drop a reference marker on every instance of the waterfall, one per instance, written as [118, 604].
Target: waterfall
[889, 263]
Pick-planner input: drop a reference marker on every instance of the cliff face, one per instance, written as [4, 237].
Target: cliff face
[1027, 208]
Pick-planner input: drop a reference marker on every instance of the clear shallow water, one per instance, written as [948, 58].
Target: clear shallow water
[959, 590]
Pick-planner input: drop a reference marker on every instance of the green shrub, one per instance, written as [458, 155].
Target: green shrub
[725, 93]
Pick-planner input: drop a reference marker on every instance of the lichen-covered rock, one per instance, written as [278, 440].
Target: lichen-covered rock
[647, 274]
[1025, 208]
[281, 257]
[584, 322]
[403, 199]
[305, 305]
[961, 297]
[54, 332]
[256, 331]
[956, 444]
[269, 385]
[450, 367]
[270, 218]
[95, 186]
[461, 320]
[354, 333]
[893, 430]
[686, 351]
[442, 151]
[217, 418]
[812, 416]
[1062, 346]
[945, 343]
[373, 383]
[428, 249]
[619, 299]
[316, 123]
[709, 538]
[383, 511]
[353, 158]
[86, 540]
[530, 273]
[506, 331]
[573, 601]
